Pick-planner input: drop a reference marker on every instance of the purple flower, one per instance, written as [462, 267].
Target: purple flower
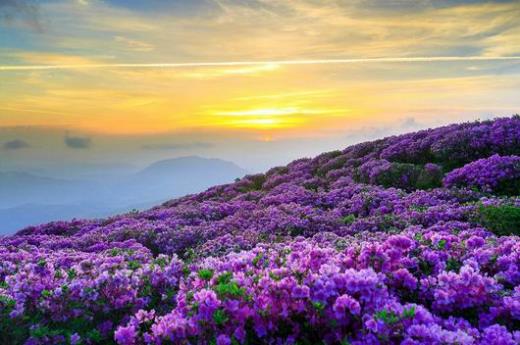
[346, 304]
[223, 340]
[75, 339]
[126, 335]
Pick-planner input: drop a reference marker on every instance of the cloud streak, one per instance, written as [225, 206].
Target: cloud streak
[25, 10]
[77, 142]
[15, 144]
[259, 62]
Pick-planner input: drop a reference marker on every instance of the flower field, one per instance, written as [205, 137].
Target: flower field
[411, 239]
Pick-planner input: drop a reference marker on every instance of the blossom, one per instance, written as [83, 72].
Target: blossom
[126, 335]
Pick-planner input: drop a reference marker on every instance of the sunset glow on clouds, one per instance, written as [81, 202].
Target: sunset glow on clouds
[271, 92]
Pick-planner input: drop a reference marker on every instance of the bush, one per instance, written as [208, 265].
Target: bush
[503, 220]
[429, 177]
[495, 174]
[251, 183]
[400, 175]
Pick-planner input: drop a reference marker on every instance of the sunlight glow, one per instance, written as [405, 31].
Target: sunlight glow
[259, 112]
[259, 118]
[266, 118]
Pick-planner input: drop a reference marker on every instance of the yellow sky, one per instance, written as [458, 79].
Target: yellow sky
[269, 100]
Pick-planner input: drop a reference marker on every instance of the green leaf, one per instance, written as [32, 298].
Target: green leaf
[224, 278]
[133, 264]
[205, 274]
[257, 258]
[46, 293]
[71, 273]
[220, 317]
[319, 306]
[348, 219]
[388, 317]
[409, 313]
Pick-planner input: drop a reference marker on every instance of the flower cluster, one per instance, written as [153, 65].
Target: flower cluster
[359, 246]
[397, 289]
[498, 174]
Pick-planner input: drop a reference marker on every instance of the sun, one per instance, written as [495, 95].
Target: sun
[259, 118]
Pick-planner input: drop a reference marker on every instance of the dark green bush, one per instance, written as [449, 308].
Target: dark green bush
[429, 179]
[502, 220]
[406, 176]
[508, 187]
[400, 175]
[254, 183]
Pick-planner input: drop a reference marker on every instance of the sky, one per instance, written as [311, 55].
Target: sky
[120, 83]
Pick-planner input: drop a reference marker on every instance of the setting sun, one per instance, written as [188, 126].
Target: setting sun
[273, 118]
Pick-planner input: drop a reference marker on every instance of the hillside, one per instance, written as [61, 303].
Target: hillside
[410, 239]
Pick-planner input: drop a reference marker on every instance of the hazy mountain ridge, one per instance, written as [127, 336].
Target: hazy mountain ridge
[27, 198]
[16, 187]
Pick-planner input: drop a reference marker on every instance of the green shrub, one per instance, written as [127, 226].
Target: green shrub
[508, 187]
[406, 176]
[429, 179]
[255, 182]
[502, 220]
[205, 274]
[348, 219]
[400, 175]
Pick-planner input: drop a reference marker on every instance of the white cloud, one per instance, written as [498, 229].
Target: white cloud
[134, 45]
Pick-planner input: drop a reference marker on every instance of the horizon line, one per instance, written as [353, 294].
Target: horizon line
[258, 62]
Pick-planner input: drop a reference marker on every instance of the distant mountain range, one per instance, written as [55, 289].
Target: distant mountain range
[27, 199]
[17, 188]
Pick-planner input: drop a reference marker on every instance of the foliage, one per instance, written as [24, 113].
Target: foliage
[503, 220]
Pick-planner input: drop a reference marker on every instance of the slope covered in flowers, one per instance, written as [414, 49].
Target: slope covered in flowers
[410, 239]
